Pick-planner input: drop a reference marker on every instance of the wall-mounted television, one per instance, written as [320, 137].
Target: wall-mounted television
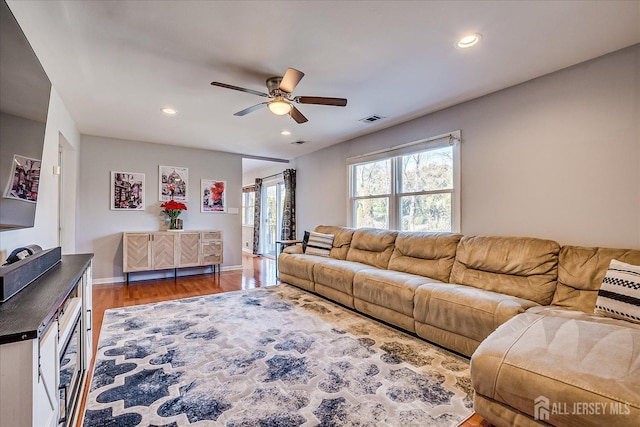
[24, 103]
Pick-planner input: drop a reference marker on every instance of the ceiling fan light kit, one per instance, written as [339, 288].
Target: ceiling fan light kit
[280, 89]
[279, 107]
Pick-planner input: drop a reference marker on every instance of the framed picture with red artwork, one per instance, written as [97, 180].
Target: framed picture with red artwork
[212, 194]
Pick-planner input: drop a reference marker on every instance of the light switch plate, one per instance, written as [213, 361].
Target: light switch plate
[233, 210]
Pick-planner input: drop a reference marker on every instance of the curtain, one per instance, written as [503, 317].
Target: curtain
[289, 207]
[256, 216]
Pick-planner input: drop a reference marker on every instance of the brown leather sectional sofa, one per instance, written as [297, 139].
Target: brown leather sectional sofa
[520, 307]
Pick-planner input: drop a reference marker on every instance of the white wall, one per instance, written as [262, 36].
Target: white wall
[100, 229]
[557, 157]
[45, 230]
[247, 238]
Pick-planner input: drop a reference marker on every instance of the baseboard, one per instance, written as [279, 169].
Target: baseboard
[159, 275]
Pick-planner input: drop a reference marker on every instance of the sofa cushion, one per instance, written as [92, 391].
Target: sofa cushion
[391, 289]
[565, 360]
[298, 265]
[341, 239]
[425, 254]
[337, 274]
[371, 246]
[464, 310]
[619, 295]
[580, 274]
[523, 267]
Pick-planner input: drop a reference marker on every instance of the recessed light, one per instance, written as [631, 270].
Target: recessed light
[469, 40]
[169, 111]
[285, 132]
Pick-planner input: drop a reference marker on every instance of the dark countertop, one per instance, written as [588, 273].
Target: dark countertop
[25, 315]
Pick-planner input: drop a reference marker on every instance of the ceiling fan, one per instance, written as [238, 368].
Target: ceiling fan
[280, 89]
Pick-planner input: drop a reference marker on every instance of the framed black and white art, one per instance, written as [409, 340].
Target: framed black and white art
[24, 179]
[127, 191]
[173, 183]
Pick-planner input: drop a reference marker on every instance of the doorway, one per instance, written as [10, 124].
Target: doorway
[272, 206]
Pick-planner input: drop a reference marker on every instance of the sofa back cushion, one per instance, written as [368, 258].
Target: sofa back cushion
[372, 246]
[523, 267]
[425, 254]
[341, 239]
[580, 274]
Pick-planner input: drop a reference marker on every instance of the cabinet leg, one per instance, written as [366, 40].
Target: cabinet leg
[127, 279]
[175, 274]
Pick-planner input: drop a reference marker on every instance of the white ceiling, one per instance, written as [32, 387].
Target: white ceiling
[116, 63]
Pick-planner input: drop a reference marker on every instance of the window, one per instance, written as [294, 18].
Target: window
[413, 188]
[371, 193]
[248, 203]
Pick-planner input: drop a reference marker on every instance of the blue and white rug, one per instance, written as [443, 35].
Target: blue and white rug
[269, 357]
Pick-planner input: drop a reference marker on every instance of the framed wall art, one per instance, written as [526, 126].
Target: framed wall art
[24, 180]
[173, 183]
[212, 195]
[127, 191]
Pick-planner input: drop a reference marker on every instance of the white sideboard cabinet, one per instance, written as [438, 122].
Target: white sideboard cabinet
[162, 250]
[46, 347]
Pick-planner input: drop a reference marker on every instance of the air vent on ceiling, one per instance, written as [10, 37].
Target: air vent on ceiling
[299, 142]
[372, 119]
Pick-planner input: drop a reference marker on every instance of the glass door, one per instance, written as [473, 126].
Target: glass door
[272, 204]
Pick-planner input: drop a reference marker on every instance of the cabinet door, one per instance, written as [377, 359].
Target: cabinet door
[164, 250]
[46, 396]
[136, 252]
[189, 249]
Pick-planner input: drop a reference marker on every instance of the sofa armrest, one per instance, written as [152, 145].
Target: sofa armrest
[293, 249]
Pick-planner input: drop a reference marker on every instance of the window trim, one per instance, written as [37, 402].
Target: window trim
[395, 154]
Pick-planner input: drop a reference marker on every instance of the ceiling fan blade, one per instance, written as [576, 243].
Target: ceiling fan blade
[338, 102]
[290, 80]
[297, 115]
[241, 89]
[250, 109]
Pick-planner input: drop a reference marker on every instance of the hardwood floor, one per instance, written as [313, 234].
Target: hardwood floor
[257, 272]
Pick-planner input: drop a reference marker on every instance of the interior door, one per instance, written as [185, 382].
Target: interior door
[272, 205]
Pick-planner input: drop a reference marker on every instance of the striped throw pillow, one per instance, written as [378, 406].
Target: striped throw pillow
[319, 244]
[619, 294]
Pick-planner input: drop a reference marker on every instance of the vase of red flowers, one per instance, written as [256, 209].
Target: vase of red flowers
[173, 210]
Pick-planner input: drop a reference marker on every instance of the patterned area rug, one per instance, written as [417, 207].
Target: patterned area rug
[278, 356]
